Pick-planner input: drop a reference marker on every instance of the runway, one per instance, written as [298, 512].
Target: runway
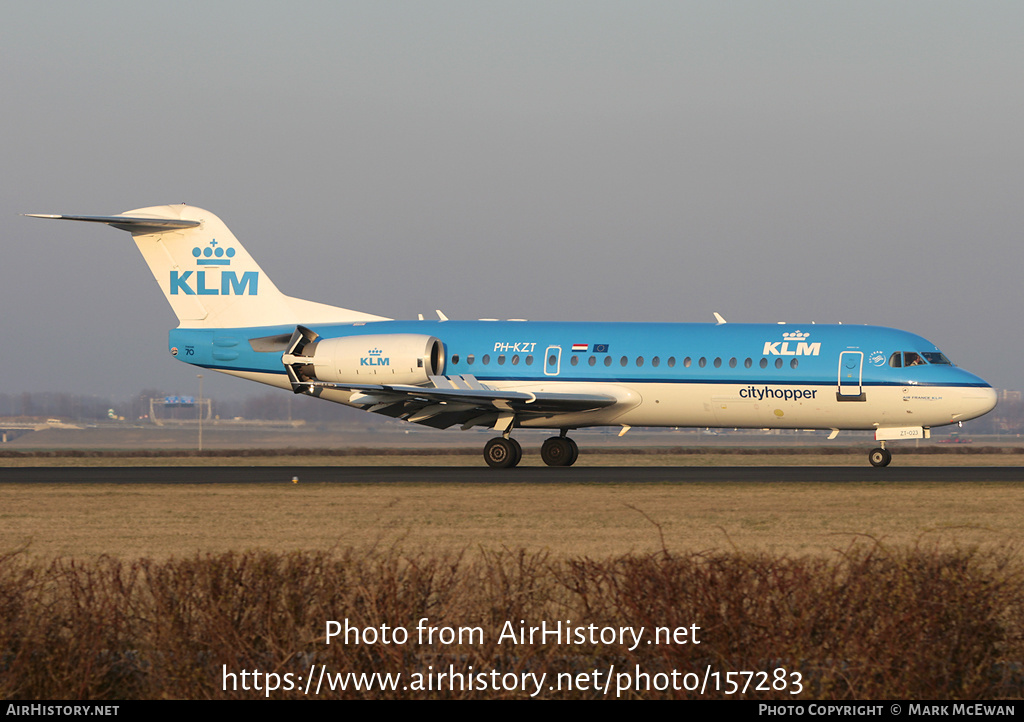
[525, 475]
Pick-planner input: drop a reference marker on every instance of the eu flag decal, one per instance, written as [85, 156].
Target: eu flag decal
[600, 348]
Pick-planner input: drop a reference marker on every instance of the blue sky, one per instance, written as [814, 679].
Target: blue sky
[652, 161]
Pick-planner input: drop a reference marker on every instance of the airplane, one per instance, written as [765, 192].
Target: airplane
[517, 374]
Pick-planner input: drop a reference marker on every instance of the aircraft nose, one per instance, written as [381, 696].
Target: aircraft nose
[977, 401]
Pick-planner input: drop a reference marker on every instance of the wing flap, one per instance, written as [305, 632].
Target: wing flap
[482, 398]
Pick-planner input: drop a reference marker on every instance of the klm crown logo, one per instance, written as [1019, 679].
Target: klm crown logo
[229, 283]
[213, 255]
[374, 357]
[800, 346]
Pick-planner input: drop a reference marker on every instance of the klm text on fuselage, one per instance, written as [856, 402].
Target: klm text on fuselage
[781, 348]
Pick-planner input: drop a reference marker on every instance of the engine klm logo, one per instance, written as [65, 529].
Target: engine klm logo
[229, 283]
[799, 347]
[375, 358]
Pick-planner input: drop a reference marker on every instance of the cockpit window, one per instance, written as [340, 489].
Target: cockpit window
[912, 358]
[901, 358]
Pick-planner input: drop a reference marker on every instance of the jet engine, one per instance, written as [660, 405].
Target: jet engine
[393, 358]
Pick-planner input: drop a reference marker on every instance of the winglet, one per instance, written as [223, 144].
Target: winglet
[718, 317]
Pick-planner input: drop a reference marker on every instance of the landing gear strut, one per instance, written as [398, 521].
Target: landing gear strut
[559, 451]
[880, 457]
[502, 453]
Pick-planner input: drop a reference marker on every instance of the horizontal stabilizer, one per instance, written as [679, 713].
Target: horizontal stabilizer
[127, 223]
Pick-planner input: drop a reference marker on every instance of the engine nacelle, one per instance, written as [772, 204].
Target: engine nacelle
[394, 358]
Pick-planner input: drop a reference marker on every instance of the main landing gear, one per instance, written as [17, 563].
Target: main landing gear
[559, 451]
[880, 457]
[505, 452]
[502, 453]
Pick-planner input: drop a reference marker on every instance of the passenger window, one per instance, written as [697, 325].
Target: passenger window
[732, 363]
[607, 360]
[639, 360]
[470, 359]
[794, 363]
[529, 360]
[748, 363]
[623, 361]
[718, 363]
[575, 360]
[485, 359]
[764, 363]
[515, 360]
[455, 358]
[703, 362]
[896, 360]
[501, 359]
[592, 360]
[778, 363]
[655, 361]
[687, 362]
[671, 362]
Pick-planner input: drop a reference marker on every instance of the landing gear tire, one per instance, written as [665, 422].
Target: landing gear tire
[519, 451]
[502, 453]
[559, 451]
[880, 457]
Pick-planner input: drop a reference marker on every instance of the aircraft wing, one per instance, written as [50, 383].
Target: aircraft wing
[461, 400]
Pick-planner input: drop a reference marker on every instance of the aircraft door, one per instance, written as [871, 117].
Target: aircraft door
[851, 376]
[552, 360]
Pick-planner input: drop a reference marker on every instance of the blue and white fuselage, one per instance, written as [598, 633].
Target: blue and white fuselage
[662, 374]
[522, 374]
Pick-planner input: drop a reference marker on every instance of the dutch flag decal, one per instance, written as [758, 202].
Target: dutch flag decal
[580, 347]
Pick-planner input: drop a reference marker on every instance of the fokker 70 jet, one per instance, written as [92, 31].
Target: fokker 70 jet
[508, 375]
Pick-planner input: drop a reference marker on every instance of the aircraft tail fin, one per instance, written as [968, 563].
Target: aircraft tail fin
[207, 276]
